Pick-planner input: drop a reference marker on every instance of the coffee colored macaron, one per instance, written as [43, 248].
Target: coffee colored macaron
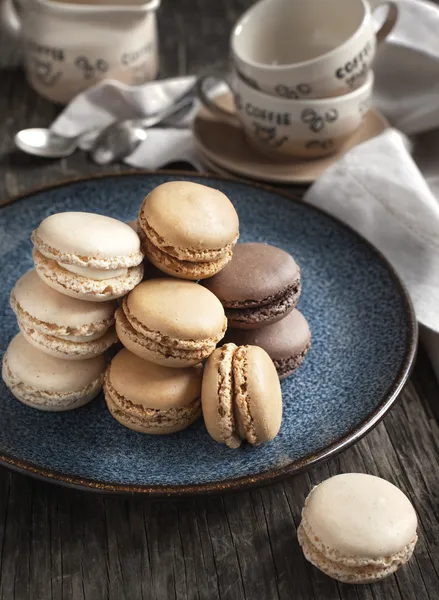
[171, 322]
[50, 383]
[286, 342]
[188, 230]
[87, 256]
[60, 325]
[150, 398]
[357, 528]
[241, 396]
[260, 285]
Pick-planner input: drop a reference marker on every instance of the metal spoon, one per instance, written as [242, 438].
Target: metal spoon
[45, 143]
[119, 140]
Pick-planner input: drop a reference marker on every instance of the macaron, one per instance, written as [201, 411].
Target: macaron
[59, 325]
[50, 383]
[286, 342]
[260, 285]
[188, 230]
[241, 396]
[357, 528]
[171, 322]
[87, 256]
[151, 398]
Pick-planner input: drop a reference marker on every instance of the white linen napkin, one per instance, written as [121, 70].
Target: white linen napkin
[378, 188]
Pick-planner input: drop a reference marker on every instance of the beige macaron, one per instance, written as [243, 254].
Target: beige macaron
[59, 325]
[171, 322]
[188, 230]
[150, 398]
[87, 256]
[241, 396]
[357, 528]
[50, 383]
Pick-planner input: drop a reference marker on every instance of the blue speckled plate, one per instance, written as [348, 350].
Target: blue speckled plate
[364, 341]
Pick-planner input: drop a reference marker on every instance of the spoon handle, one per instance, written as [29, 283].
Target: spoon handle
[184, 101]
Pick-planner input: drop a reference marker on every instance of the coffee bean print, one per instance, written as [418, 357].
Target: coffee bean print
[84, 64]
[317, 122]
[268, 135]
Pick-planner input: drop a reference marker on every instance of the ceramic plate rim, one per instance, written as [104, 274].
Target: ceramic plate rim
[265, 477]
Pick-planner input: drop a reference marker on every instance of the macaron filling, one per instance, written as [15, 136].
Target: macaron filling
[226, 411]
[242, 400]
[97, 274]
[184, 254]
[183, 268]
[351, 569]
[164, 345]
[68, 348]
[269, 310]
[93, 262]
[78, 286]
[87, 332]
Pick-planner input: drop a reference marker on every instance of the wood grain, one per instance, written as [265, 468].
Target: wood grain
[60, 544]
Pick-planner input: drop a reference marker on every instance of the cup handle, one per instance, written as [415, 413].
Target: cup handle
[203, 95]
[390, 20]
[10, 18]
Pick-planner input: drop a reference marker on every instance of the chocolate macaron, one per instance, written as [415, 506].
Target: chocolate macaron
[259, 286]
[188, 230]
[286, 342]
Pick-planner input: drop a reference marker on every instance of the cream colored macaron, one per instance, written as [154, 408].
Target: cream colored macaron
[188, 230]
[357, 528]
[87, 256]
[241, 396]
[50, 383]
[151, 398]
[171, 322]
[59, 325]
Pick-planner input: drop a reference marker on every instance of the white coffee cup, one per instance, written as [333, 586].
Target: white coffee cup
[308, 48]
[69, 47]
[292, 128]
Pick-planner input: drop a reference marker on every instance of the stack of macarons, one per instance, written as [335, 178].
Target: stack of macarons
[65, 308]
[259, 289]
[168, 323]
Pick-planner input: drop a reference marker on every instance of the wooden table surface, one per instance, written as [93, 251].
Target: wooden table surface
[58, 544]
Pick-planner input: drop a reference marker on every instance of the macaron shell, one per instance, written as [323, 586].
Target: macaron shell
[210, 220]
[43, 372]
[258, 394]
[87, 239]
[179, 309]
[256, 274]
[217, 397]
[183, 269]
[286, 341]
[359, 517]
[155, 353]
[154, 386]
[57, 313]
[83, 288]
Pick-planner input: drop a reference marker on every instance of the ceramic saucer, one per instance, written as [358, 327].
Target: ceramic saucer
[225, 146]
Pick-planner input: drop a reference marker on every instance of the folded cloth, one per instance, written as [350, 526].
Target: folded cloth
[387, 189]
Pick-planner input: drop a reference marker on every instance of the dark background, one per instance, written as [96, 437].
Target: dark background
[57, 543]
